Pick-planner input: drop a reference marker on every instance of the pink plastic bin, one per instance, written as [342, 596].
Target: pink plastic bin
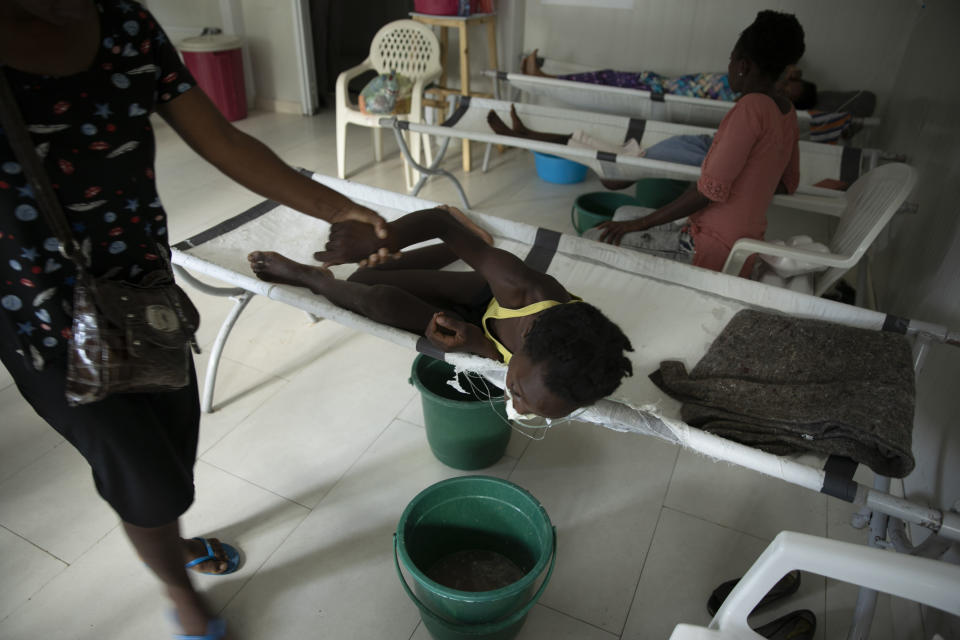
[436, 7]
[216, 61]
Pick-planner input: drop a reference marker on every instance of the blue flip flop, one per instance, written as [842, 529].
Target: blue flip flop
[216, 629]
[233, 558]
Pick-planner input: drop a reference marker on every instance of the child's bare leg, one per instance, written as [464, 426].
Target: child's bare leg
[382, 303]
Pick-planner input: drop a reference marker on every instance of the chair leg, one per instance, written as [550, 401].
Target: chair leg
[377, 144]
[410, 173]
[341, 150]
[427, 150]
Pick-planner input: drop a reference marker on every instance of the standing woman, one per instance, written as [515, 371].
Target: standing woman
[85, 75]
[753, 156]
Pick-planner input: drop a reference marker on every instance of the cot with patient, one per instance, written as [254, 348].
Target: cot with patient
[687, 309]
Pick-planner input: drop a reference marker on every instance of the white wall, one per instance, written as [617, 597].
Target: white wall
[851, 44]
[269, 35]
[918, 271]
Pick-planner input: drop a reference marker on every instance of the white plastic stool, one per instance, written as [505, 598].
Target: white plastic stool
[928, 582]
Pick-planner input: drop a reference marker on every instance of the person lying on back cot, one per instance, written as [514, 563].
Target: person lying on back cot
[562, 353]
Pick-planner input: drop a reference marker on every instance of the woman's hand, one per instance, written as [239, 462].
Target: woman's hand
[612, 232]
[362, 214]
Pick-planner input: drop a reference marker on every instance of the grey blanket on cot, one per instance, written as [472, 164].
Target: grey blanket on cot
[787, 385]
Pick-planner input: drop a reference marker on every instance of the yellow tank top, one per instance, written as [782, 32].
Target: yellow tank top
[496, 312]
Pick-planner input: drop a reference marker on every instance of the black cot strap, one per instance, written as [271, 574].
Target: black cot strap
[544, 248]
[838, 481]
[635, 130]
[501, 75]
[606, 156]
[656, 96]
[850, 164]
[462, 106]
[228, 225]
[896, 324]
[427, 348]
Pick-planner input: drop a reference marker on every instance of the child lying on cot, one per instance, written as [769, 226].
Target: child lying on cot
[562, 353]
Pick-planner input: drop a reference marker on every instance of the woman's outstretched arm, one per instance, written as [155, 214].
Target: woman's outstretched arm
[688, 203]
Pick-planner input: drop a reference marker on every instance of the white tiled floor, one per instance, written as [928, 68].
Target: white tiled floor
[317, 445]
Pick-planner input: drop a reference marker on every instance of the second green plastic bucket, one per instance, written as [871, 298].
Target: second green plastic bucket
[474, 513]
[465, 431]
[656, 192]
[590, 209]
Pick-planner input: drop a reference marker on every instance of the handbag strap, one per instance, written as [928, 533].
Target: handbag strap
[26, 153]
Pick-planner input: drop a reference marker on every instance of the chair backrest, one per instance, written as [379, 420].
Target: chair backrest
[407, 47]
[871, 202]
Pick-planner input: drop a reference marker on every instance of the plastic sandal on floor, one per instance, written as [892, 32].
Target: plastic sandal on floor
[796, 625]
[216, 630]
[787, 585]
[231, 553]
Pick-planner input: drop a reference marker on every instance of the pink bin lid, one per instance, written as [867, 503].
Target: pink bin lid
[212, 42]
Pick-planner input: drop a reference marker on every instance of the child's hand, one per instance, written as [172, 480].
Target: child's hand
[352, 241]
[449, 333]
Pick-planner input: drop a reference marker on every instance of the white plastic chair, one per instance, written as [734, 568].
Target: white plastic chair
[409, 48]
[930, 582]
[871, 202]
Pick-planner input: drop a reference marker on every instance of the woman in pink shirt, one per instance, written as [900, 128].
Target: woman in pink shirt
[753, 156]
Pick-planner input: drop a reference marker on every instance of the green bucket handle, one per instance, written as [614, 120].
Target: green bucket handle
[486, 627]
[574, 220]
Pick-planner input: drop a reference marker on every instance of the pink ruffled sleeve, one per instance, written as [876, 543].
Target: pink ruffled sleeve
[729, 152]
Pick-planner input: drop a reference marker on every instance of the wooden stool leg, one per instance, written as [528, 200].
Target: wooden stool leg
[492, 44]
[465, 84]
[444, 47]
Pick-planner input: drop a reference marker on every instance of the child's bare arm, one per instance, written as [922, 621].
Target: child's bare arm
[513, 283]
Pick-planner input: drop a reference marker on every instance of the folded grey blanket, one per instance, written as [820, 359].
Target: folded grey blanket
[787, 385]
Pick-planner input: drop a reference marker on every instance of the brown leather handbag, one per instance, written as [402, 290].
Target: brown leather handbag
[126, 337]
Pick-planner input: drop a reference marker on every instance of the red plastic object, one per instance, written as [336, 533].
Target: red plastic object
[436, 7]
[220, 75]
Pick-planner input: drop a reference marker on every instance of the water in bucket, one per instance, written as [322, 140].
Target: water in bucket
[475, 548]
[464, 430]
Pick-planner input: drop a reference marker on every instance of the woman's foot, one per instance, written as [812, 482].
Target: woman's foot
[195, 548]
[499, 126]
[518, 125]
[530, 67]
[518, 129]
[273, 267]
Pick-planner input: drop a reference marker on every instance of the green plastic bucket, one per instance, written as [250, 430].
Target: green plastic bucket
[590, 209]
[475, 514]
[465, 431]
[656, 192]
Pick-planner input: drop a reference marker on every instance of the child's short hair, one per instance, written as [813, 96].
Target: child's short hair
[582, 349]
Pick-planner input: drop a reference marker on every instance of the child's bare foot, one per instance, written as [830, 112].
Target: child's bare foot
[499, 126]
[469, 224]
[273, 267]
[530, 66]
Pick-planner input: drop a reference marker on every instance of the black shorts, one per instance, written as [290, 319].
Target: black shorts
[140, 446]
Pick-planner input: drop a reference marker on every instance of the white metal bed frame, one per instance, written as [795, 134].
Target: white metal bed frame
[212, 254]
